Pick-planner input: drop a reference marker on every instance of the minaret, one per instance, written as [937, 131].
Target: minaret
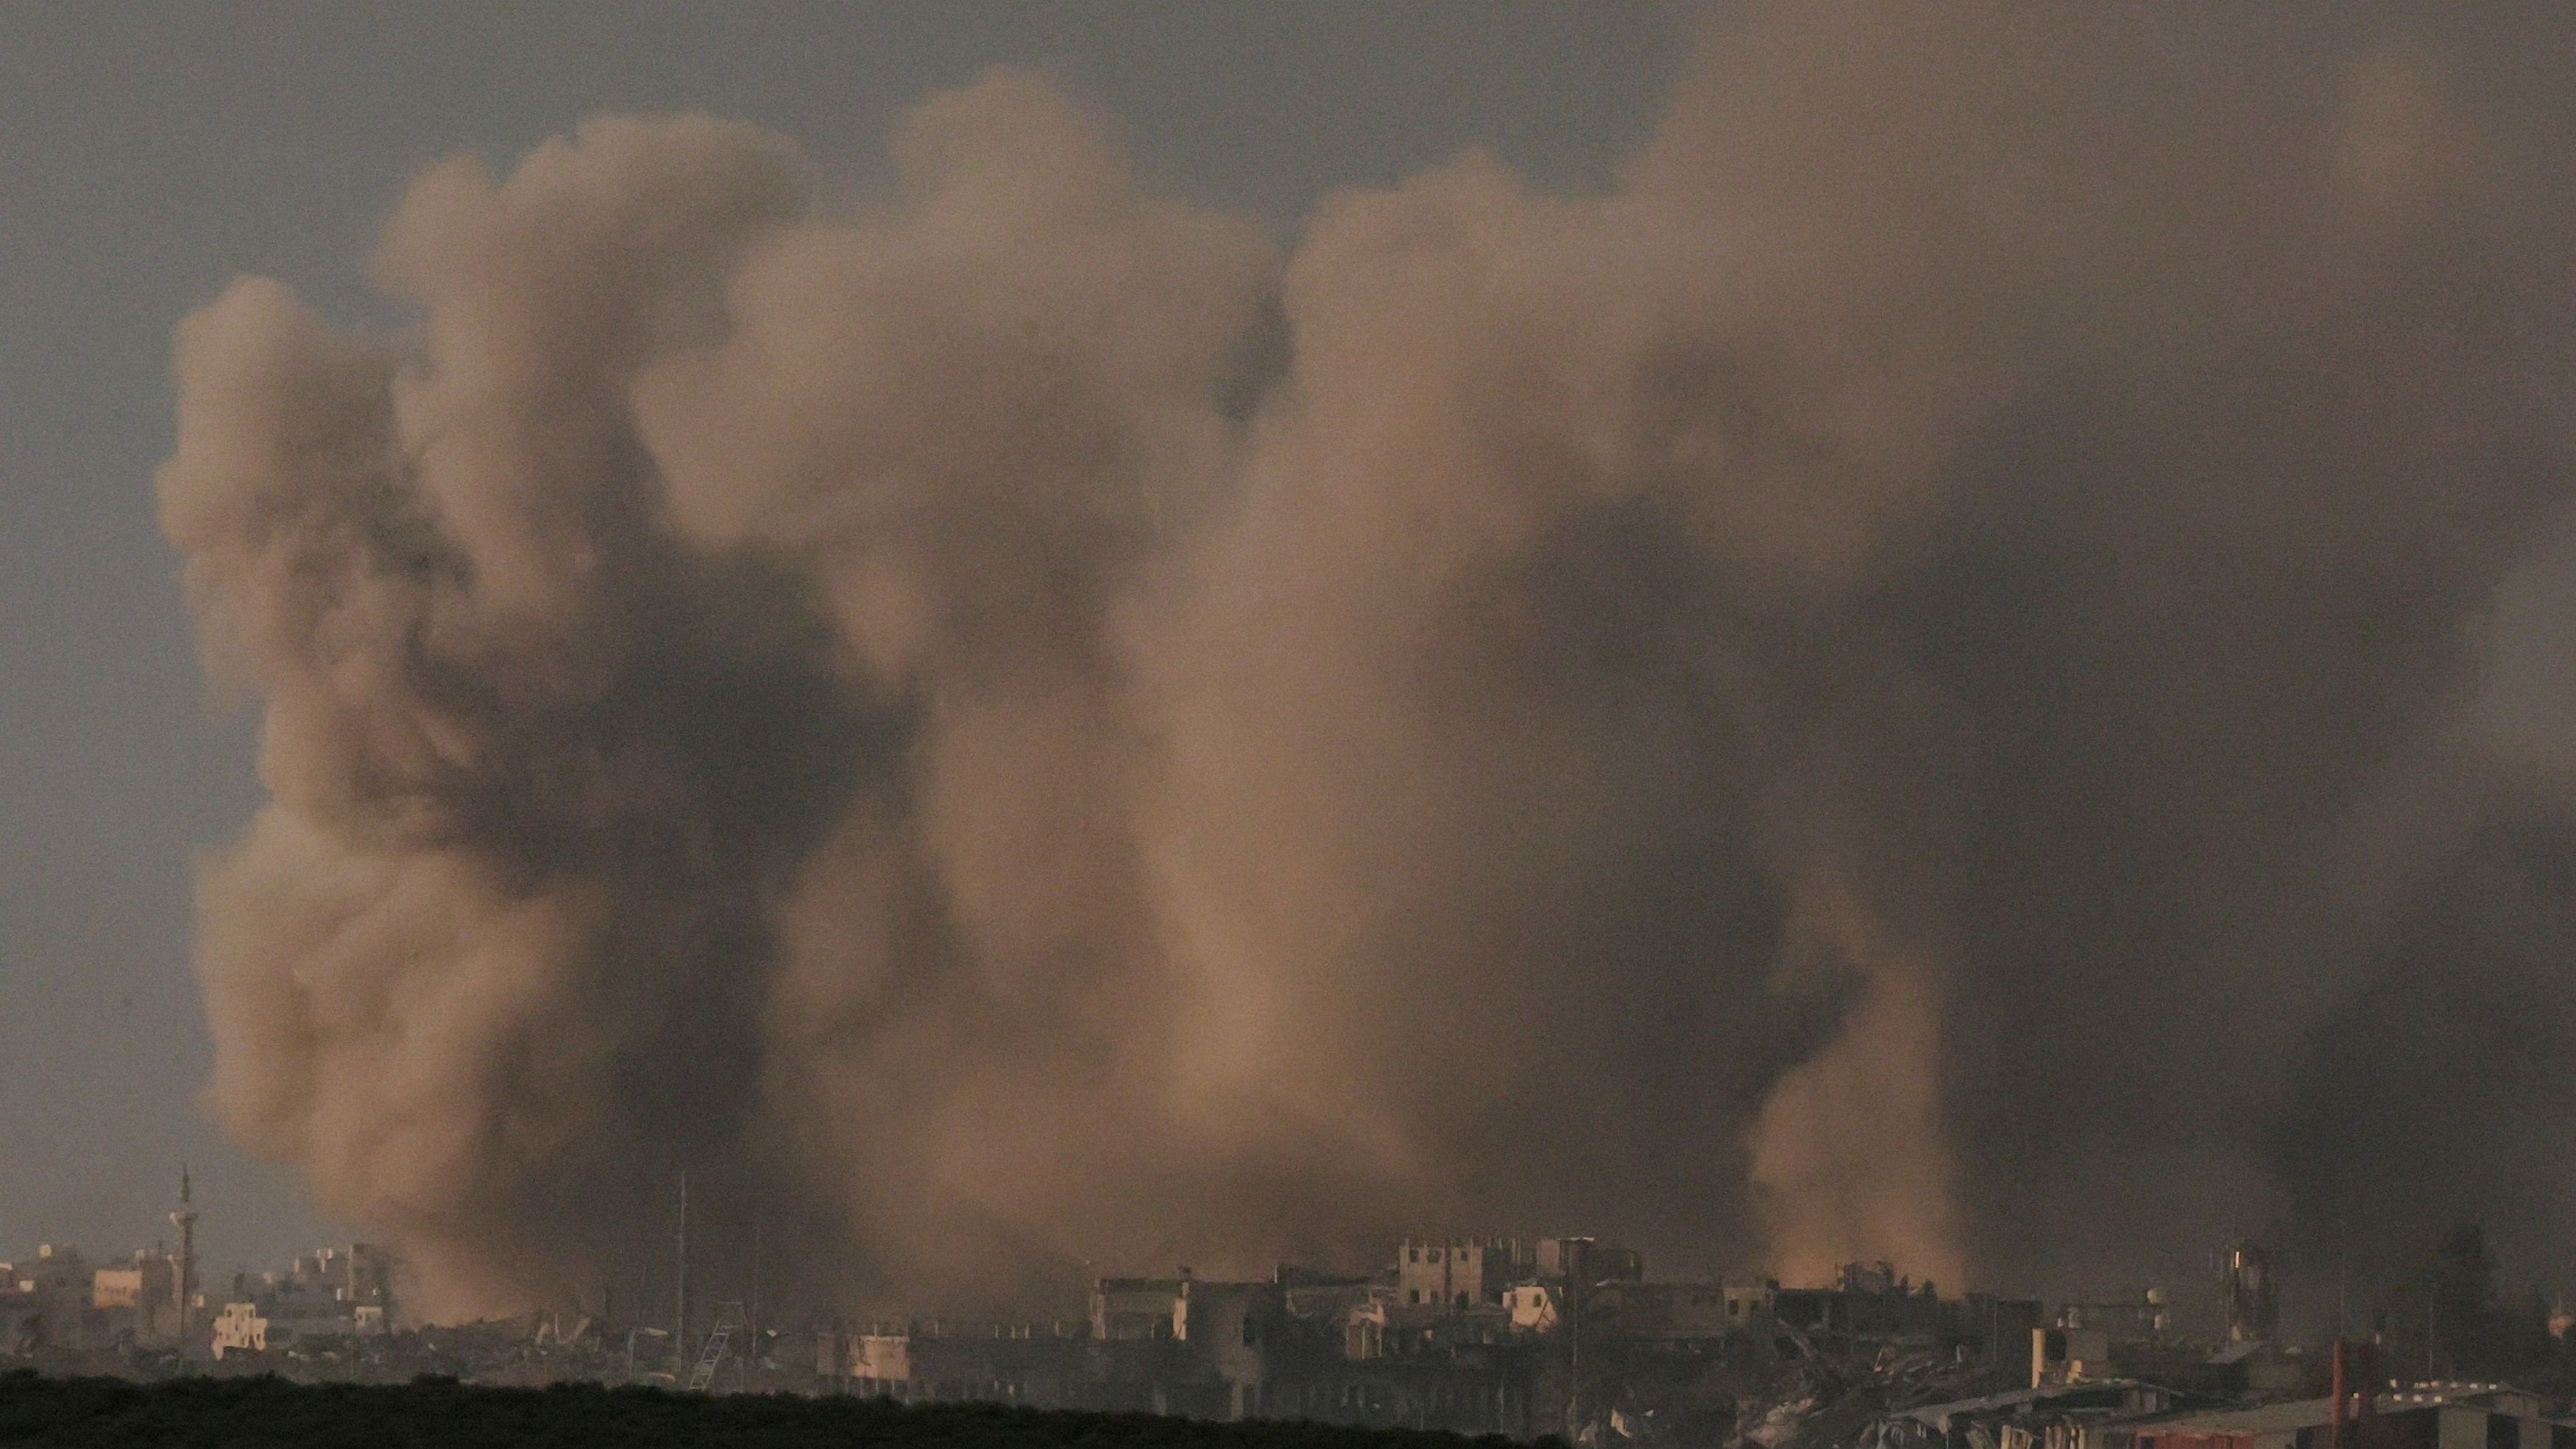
[680, 1304]
[184, 1282]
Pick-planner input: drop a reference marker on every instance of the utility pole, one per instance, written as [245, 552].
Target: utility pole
[680, 1298]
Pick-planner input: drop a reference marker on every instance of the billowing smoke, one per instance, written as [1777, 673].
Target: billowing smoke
[1878, 688]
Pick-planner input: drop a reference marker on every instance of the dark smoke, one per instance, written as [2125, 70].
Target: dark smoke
[1899, 684]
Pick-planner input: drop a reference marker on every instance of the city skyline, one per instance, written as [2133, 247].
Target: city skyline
[996, 641]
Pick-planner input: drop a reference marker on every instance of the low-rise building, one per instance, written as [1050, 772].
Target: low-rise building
[1663, 1311]
[1867, 1301]
[2426, 1416]
[1748, 1301]
[1045, 1367]
[49, 1302]
[240, 1328]
[1460, 1273]
[1533, 1307]
[1134, 1308]
[331, 1293]
[139, 1299]
[1594, 1262]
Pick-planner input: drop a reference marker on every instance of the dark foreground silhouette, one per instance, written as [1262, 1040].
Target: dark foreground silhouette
[437, 1412]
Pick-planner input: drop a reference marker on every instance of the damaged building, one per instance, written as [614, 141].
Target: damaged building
[1525, 1338]
[328, 1294]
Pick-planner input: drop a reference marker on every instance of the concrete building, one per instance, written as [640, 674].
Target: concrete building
[1746, 1302]
[1663, 1311]
[1230, 1330]
[49, 1302]
[1471, 1335]
[57, 1271]
[1595, 1262]
[1482, 1390]
[2427, 1416]
[1302, 1345]
[1138, 1308]
[330, 1293]
[2080, 1355]
[1533, 1307]
[2070, 1356]
[140, 1299]
[1187, 1345]
[1461, 1273]
[1043, 1367]
[255, 1326]
[1391, 1363]
[1868, 1301]
[239, 1328]
[2258, 1369]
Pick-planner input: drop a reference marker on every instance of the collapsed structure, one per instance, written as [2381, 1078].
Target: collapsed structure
[2359, 1410]
[1567, 1338]
[1570, 1337]
[1561, 1335]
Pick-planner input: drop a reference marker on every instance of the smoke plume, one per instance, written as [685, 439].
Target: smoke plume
[1877, 688]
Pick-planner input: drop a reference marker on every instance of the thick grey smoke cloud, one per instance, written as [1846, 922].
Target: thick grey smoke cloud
[1876, 689]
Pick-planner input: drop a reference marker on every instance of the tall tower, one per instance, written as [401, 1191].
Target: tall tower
[183, 1283]
[680, 1298]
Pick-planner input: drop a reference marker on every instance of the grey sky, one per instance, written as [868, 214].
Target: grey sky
[148, 153]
